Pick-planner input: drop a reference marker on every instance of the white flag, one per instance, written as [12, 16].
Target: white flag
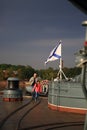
[55, 53]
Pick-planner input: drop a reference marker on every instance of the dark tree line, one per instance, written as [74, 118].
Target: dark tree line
[25, 72]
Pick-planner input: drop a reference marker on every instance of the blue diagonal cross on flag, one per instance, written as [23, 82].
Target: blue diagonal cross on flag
[55, 53]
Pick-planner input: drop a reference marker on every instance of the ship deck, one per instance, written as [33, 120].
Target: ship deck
[42, 118]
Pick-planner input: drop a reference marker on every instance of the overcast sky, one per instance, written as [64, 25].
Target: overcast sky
[30, 29]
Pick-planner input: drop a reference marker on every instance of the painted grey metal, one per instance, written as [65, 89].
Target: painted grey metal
[13, 83]
[12, 93]
[29, 89]
[12, 90]
[69, 94]
[13, 79]
[84, 87]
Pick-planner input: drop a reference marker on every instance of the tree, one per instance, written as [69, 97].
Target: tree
[25, 72]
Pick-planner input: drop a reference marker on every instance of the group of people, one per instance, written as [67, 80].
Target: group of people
[36, 86]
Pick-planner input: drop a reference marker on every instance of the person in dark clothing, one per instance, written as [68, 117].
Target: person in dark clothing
[32, 82]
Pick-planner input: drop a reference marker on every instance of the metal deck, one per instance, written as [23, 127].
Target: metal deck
[41, 118]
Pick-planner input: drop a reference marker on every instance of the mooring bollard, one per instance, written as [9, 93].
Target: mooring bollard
[12, 91]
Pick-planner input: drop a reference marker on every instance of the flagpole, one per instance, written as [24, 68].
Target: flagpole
[61, 73]
[60, 65]
[60, 68]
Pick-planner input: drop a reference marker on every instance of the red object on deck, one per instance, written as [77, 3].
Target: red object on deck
[85, 44]
[12, 99]
[67, 109]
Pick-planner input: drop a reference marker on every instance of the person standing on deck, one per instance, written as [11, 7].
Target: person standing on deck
[37, 89]
[33, 80]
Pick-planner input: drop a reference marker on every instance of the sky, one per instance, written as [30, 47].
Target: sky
[30, 29]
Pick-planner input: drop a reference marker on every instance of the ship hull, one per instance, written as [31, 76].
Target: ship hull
[67, 96]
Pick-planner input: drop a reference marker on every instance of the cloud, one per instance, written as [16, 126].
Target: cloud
[30, 29]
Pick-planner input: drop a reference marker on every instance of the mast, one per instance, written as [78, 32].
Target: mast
[61, 73]
[60, 63]
[60, 67]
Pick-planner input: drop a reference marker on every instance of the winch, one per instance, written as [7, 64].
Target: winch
[12, 91]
